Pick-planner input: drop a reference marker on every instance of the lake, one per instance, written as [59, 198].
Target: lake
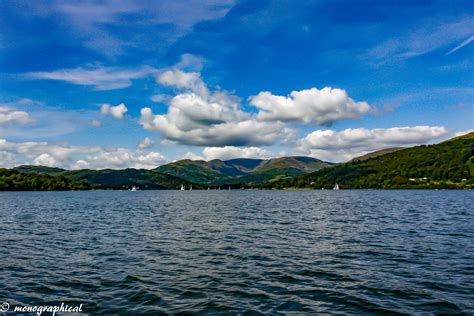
[230, 252]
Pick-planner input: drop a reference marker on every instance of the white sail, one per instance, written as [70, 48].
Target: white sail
[182, 187]
[336, 187]
[190, 188]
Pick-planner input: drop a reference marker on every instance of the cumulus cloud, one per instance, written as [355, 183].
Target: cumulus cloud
[146, 143]
[349, 143]
[117, 111]
[9, 115]
[75, 157]
[230, 152]
[248, 132]
[183, 80]
[101, 78]
[119, 158]
[198, 117]
[46, 160]
[323, 106]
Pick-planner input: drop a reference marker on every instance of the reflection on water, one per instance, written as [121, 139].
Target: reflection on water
[255, 251]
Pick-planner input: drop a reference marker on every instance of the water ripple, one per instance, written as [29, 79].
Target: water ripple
[240, 252]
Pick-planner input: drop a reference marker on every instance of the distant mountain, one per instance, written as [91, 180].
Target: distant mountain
[188, 172]
[242, 170]
[377, 153]
[112, 179]
[199, 171]
[39, 169]
[449, 164]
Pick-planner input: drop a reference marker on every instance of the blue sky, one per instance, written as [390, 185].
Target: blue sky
[98, 84]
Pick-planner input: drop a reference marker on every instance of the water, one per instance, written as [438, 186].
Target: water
[221, 252]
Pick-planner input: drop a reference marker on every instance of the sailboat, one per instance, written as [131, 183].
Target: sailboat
[182, 187]
[336, 187]
[230, 188]
[208, 188]
[134, 188]
[190, 188]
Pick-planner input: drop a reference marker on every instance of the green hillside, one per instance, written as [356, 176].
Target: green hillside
[241, 171]
[446, 165]
[113, 179]
[13, 180]
[377, 153]
[199, 171]
[39, 169]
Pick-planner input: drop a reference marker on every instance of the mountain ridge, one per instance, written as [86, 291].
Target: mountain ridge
[216, 171]
[449, 164]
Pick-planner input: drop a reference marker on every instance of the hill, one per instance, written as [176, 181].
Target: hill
[377, 153]
[449, 164]
[112, 179]
[39, 169]
[13, 180]
[242, 170]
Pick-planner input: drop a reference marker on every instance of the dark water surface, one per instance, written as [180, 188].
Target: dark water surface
[220, 252]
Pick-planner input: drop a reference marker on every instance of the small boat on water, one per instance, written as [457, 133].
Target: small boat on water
[336, 187]
[182, 187]
[190, 188]
[134, 188]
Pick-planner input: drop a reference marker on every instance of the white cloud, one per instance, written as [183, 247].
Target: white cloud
[101, 78]
[462, 133]
[198, 117]
[104, 25]
[192, 156]
[12, 116]
[230, 152]
[424, 38]
[43, 120]
[119, 158]
[183, 80]
[45, 160]
[117, 111]
[146, 143]
[158, 98]
[75, 157]
[323, 106]
[349, 143]
[190, 62]
[463, 44]
[215, 133]
[95, 123]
